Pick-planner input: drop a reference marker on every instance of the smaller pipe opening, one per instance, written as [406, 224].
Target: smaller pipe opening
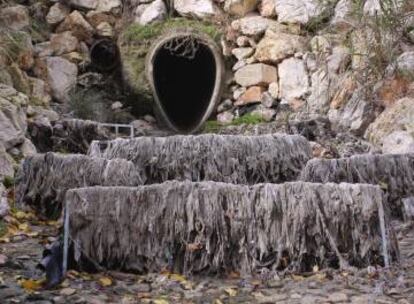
[105, 55]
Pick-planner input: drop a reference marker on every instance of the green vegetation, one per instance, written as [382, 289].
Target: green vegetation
[8, 182]
[213, 126]
[3, 228]
[138, 33]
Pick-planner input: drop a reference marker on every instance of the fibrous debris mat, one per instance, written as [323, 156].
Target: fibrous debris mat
[212, 228]
[221, 158]
[44, 179]
[393, 172]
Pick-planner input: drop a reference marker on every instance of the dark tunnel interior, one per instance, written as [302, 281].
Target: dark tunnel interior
[184, 84]
[105, 55]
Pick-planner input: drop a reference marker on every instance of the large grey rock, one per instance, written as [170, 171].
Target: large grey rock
[276, 46]
[13, 123]
[195, 8]
[63, 43]
[61, 77]
[394, 173]
[113, 6]
[354, 114]
[15, 18]
[252, 25]
[343, 14]
[398, 142]
[6, 164]
[240, 7]
[256, 74]
[80, 28]
[218, 228]
[397, 117]
[85, 4]
[156, 11]
[321, 91]
[234, 159]
[293, 79]
[298, 11]
[4, 205]
[405, 63]
[44, 179]
[57, 13]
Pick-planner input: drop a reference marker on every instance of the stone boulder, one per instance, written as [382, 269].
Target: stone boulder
[79, 27]
[276, 46]
[57, 13]
[195, 8]
[61, 77]
[63, 43]
[6, 164]
[397, 117]
[343, 15]
[293, 79]
[252, 25]
[240, 7]
[4, 205]
[256, 74]
[156, 11]
[398, 142]
[13, 123]
[112, 6]
[353, 113]
[15, 18]
[298, 11]
[84, 4]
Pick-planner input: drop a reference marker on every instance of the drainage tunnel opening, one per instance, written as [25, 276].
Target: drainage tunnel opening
[184, 75]
[105, 55]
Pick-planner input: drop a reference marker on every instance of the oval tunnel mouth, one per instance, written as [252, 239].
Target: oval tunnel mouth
[186, 79]
[105, 55]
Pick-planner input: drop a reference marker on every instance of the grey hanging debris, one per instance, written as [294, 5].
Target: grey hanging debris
[44, 179]
[394, 173]
[221, 158]
[213, 227]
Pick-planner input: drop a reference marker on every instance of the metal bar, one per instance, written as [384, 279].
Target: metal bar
[65, 239]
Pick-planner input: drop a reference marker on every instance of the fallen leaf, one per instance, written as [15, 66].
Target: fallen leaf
[217, 301]
[24, 227]
[231, 292]
[297, 278]
[177, 277]
[31, 285]
[105, 281]
[160, 301]
[20, 215]
[315, 268]
[67, 291]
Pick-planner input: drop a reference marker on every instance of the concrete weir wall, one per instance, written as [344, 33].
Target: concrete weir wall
[212, 228]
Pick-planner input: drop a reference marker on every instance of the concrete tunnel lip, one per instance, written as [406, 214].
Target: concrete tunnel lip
[212, 46]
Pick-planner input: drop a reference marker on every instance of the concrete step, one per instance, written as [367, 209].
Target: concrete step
[222, 158]
[393, 172]
[212, 228]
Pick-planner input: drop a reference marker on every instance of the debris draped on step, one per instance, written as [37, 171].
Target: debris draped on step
[44, 179]
[393, 173]
[212, 228]
[221, 158]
